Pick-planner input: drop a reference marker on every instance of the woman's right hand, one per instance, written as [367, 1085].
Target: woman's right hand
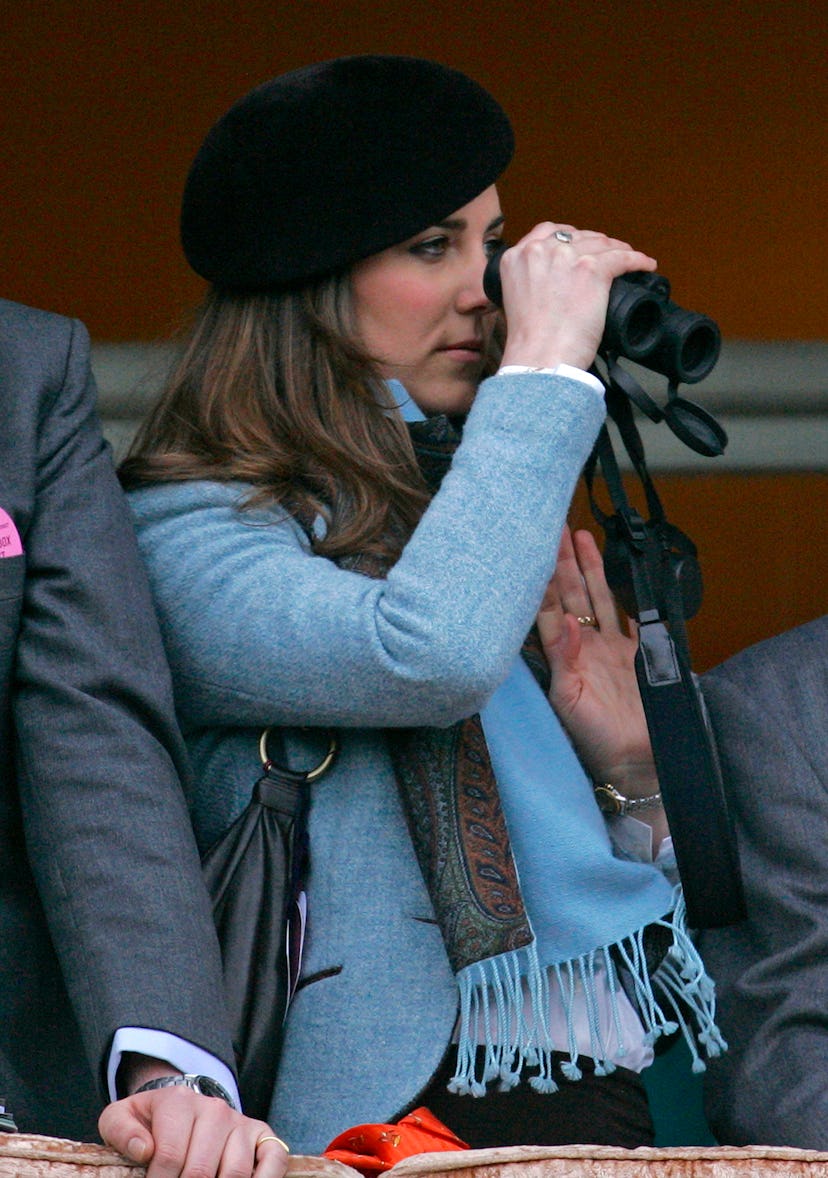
[555, 294]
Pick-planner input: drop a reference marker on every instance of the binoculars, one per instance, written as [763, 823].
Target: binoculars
[645, 326]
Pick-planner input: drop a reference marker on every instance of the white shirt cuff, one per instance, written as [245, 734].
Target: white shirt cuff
[635, 840]
[568, 370]
[179, 1053]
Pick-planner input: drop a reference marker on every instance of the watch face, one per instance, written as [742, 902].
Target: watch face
[208, 1087]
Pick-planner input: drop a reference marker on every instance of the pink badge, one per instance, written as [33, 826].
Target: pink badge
[9, 536]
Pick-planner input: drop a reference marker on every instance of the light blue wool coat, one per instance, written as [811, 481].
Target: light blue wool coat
[260, 632]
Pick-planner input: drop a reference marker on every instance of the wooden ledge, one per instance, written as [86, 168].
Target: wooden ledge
[25, 1155]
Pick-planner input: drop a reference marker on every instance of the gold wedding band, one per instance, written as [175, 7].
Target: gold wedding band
[272, 1137]
[588, 620]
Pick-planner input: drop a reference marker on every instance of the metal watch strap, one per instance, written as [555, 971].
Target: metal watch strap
[205, 1085]
[612, 802]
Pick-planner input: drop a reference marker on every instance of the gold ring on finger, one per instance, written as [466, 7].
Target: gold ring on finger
[588, 620]
[271, 1137]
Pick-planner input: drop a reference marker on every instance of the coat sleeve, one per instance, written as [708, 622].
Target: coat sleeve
[260, 631]
[768, 708]
[98, 754]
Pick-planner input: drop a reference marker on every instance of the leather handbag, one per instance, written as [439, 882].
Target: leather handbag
[255, 875]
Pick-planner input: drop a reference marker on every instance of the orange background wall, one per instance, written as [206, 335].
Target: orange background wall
[761, 543]
[697, 130]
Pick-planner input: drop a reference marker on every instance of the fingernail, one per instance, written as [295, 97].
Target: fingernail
[137, 1149]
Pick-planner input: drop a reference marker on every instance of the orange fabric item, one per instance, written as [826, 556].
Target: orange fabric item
[372, 1149]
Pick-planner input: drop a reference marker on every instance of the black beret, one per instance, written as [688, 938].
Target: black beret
[328, 164]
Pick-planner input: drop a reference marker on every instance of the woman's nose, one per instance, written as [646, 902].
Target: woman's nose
[470, 295]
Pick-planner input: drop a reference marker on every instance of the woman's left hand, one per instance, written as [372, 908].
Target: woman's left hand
[591, 659]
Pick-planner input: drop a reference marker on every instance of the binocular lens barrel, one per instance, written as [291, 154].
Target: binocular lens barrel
[634, 319]
[688, 347]
[643, 325]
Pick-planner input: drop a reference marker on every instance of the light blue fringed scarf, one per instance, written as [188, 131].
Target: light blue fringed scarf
[589, 911]
[528, 893]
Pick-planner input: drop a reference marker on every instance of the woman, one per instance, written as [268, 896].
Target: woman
[313, 569]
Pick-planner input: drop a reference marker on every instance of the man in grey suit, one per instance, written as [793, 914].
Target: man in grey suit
[769, 707]
[110, 974]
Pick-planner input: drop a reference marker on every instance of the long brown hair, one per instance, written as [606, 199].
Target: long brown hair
[273, 390]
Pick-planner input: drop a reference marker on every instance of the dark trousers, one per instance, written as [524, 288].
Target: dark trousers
[595, 1110]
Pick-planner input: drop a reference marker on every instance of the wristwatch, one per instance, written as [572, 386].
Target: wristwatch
[204, 1085]
[613, 802]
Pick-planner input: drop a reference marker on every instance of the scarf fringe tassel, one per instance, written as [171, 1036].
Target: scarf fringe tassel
[679, 995]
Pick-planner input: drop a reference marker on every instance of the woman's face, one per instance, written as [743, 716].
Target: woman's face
[421, 311]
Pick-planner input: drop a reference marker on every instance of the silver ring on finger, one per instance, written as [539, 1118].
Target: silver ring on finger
[562, 235]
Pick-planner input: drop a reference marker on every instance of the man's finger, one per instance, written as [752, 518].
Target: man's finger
[271, 1156]
[172, 1116]
[122, 1128]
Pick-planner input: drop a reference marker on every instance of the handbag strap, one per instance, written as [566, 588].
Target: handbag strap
[286, 792]
[285, 789]
[308, 775]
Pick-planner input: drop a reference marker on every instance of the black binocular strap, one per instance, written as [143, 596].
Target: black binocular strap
[685, 755]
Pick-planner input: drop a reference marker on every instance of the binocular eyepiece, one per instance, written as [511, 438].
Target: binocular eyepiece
[645, 326]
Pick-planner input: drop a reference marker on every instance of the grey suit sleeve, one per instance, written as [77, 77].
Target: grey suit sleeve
[769, 708]
[98, 754]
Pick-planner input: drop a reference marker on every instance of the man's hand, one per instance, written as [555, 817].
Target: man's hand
[175, 1131]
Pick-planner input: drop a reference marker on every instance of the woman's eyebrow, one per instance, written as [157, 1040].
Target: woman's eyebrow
[459, 223]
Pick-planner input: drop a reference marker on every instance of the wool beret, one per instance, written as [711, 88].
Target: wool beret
[328, 164]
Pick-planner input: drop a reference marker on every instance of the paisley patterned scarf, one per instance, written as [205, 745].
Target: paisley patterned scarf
[459, 831]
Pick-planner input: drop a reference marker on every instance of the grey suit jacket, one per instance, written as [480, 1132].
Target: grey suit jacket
[769, 707]
[103, 918]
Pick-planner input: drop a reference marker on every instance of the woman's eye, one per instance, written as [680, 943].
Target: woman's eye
[492, 246]
[432, 247]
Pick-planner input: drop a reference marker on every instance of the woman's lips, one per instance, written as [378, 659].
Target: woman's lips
[467, 349]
